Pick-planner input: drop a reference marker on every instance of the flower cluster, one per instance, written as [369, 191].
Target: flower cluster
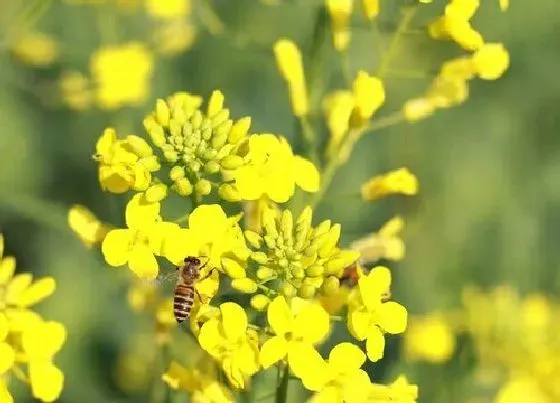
[25, 337]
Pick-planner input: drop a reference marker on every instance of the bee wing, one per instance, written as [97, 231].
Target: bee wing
[160, 280]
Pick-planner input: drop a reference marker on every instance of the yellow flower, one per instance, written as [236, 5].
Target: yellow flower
[86, 225]
[371, 8]
[339, 379]
[400, 391]
[521, 389]
[174, 37]
[229, 341]
[211, 235]
[7, 353]
[40, 343]
[504, 5]
[400, 181]
[75, 91]
[429, 338]
[168, 9]
[294, 257]
[288, 60]
[455, 24]
[340, 12]
[369, 316]
[124, 164]
[338, 109]
[273, 170]
[369, 95]
[202, 387]
[137, 244]
[36, 49]
[491, 61]
[384, 244]
[294, 331]
[122, 74]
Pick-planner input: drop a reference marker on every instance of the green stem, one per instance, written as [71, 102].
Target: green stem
[282, 388]
[210, 18]
[160, 392]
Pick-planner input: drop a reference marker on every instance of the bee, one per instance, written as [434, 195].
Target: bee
[183, 298]
[351, 276]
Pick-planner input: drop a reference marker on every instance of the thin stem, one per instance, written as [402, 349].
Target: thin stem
[282, 388]
[308, 134]
[160, 392]
[210, 18]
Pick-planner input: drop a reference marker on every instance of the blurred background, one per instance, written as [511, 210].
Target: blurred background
[488, 210]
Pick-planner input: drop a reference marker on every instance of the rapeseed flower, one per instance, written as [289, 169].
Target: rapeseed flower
[340, 12]
[289, 61]
[213, 236]
[297, 328]
[429, 339]
[371, 8]
[169, 9]
[86, 225]
[202, 387]
[272, 170]
[295, 258]
[75, 89]
[491, 61]
[141, 241]
[455, 24]
[383, 244]
[36, 49]
[229, 341]
[340, 379]
[399, 391]
[400, 181]
[122, 75]
[370, 316]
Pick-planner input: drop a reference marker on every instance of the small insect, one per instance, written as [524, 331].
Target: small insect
[351, 276]
[183, 298]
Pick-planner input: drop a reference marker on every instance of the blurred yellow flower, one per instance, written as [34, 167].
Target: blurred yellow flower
[174, 37]
[339, 379]
[429, 338]
[340, 12]
[521, 389]
[273, 170]
[294, 331]
[122, 75]
[40, 343]
[400, 181]
[371, 8]
[338, 108]
[36, 49]
[168, 9]
[491, 61]
[455, 24]
[75, 90]
[369, 96]
[383, 244]
[86, 225]
[211, 235]
[229, 341]
[289, 62]
[202, 387]
[400, 391]
[137, 244]
[370, 316]
[504, 5]
[7, 358]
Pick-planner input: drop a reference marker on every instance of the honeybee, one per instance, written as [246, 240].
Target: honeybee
[183, 298]
[351, 276]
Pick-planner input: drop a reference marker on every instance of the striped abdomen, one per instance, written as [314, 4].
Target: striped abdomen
[183, 301]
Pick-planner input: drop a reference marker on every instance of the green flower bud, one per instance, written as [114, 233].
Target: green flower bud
[151, 163]
[138, 145]
[176, 173]
[196, 119]
[220, 117]
[170, 156]
[315, 271]
[322, 228]
[253, 238]
[316, 282]
[287, 224]
[245, 285]
[332, 240]
[215, 104]
[211, 167]
[156, 193]
[288, 290]
[183, 187]
[259, 302]
[162, 112]
[264, 273]
[330, 285]
[306, 291]
[298, 272]
[233, 268]
[203, 187]
[239, 130]
[259, 257]
[229, 192]
[270, 241]
[157, 135]
[232, 162]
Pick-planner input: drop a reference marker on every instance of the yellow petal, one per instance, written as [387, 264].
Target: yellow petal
[375, 344]
[116, 246]
[273, 350]
[358, 324]
[139, 212]
[7, 357]
[356, 387]
[392, 317]
[4, 326]
[104, 143]
[43, 340]
[373, 286]
[179, 243]
[38, 291]
[312, 324]
[143, 262]
[246, 357]
[208, 216]
[5, 396]
[210, 337]
[19, 319]
[234, 320]
[279, 316]
[308, 365]
[346, 357]
[330, 394]
[16, 287]
[307, 175]
[7, 269]
[46, 380]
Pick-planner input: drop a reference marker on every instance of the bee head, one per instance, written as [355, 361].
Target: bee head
[192, 260]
